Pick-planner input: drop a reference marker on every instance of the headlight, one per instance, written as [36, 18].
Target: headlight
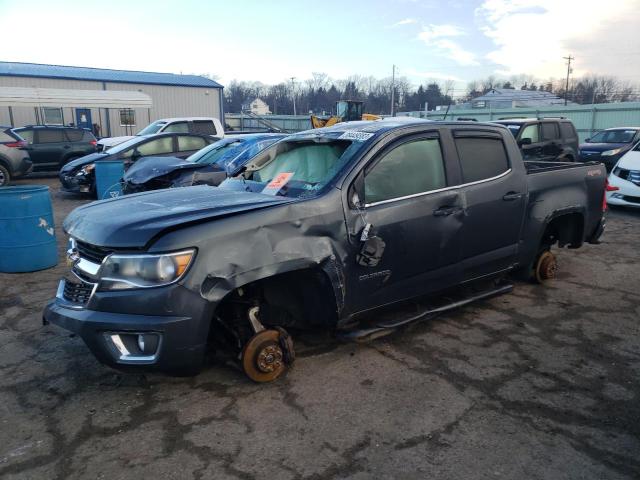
[86, 169]
[120, 272]
[609, 153]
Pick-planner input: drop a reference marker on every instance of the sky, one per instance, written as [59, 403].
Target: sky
[271, 41]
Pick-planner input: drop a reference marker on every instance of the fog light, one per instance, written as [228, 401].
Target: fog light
[134, 347]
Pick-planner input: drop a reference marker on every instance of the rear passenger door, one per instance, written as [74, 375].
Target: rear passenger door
[408, 205]
[494, 201]
[551, 141]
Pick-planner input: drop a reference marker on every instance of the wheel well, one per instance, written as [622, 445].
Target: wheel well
[297, 299]
[567, 229]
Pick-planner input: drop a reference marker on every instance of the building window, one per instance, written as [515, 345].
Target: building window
[52, 115]
[127, 117]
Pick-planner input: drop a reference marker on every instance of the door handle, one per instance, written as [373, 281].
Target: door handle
[511, 196]
[446, 211]
[67, 146]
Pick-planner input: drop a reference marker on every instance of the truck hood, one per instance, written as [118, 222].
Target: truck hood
[133, 220]
[153, 167]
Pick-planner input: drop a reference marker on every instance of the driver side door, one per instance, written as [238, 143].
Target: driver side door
[404, 197]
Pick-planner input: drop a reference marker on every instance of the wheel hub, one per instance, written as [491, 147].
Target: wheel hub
[269, 359]
[547, 267]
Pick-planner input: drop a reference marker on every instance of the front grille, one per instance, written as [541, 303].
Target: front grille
[77, 292]
[92, 252]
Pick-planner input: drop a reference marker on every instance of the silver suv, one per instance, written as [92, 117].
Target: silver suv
[14, 159]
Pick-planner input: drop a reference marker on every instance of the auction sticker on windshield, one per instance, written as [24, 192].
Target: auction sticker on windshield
[354, 135]
[277, 183]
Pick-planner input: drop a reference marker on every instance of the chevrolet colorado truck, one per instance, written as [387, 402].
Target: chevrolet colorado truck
[314, 232]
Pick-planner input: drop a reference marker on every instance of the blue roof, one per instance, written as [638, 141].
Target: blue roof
[18, 69]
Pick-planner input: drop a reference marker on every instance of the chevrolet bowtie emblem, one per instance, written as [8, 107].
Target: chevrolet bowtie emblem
[73, 257]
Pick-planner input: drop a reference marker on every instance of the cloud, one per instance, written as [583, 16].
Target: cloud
[532, 36]
[405, 21]
[439, 37]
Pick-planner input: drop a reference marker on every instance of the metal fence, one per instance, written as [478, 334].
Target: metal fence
[287, 123]
[587, 119]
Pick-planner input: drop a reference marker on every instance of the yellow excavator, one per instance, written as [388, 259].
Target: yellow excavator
[346, 111]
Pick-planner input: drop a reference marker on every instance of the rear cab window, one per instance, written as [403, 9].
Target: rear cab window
[204, 127]
[482, 157]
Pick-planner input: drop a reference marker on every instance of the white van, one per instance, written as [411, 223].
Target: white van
[202, 125]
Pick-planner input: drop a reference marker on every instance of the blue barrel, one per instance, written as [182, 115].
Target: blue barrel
[27, 233]
[109, 173]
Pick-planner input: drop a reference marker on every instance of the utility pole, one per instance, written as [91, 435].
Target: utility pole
[566, 88]
[293, 93]
[393, 90]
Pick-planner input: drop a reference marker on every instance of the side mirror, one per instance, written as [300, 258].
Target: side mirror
[587, 140]
[524, 141]
[135, 154]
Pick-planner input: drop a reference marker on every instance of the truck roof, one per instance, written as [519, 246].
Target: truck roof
[378, 127]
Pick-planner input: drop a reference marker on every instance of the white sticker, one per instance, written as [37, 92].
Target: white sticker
[355, 135]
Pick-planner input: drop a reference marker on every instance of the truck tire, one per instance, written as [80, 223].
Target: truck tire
[5, 176]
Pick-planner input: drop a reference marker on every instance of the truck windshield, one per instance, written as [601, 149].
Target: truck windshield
[215, 152]
[152, 128]
[294, 169]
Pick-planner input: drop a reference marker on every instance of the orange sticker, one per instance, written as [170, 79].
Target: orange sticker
[277, 183]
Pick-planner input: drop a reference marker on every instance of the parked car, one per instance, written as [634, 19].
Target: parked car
[607, 146]
[78, 176]
[315, 230]
[14, 158]
[624, 180]
[51, 147]
[546, 139]
[198, 125]
[209, 166]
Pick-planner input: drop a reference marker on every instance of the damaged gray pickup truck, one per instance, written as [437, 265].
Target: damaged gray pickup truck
[318, 229]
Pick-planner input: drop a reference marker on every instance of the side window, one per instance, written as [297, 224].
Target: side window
[204, 127]
[550, 131]
[187, 143]
[481, 158]
[567, 130]
[53, 135]
[156, 147]
[177, 127]
[412, 167]
[531, 131]
[74, 135]
[27, 135]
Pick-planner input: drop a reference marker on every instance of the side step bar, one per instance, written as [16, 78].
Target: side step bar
[383, 328]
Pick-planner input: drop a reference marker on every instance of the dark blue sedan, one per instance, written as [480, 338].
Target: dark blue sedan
[209, 166]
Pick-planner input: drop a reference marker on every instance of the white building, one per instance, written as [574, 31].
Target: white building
[120, 102]
[256, 106]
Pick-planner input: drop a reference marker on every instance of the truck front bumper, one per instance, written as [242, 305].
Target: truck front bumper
[171, 344]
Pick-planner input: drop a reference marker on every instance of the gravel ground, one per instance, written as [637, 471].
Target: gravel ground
[540, 383]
